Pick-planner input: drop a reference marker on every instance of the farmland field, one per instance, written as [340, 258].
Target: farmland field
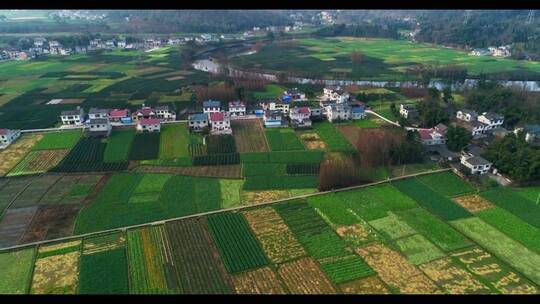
[418, 249]
[452, 278]
[17, 151]
[332, 137]
[304, 276]
[260, 281]
[446, 183]
[370, 285]
[104, 272]
[58, 140]
[236, 243]
[119, 145]
[283, 139]
[145, 146]
[39, 162]
[249, 136]
[311, 140]
[16, 271]
[174, 141]
[510, 200]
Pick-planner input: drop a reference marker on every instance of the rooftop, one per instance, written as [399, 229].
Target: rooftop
[119, 113]
[217, 116]
[492, 116]
[198, 116]
[301, 110]
[477, 161]
[98, 111]
[149, 121]
[211, 103]
[4, 131]
[71, 112]
[99, 121]
[237, 103]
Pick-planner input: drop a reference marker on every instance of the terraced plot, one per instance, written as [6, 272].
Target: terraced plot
[304, 276]
[260, 281]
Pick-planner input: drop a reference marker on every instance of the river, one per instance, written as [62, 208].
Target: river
[209, 65]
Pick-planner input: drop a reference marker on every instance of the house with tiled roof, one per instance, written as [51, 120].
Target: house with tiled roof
[220, 123]
[237, 108]
[211, 106]
[431, 137]
[144, 113]
[8, 136]
[73, 117]
[120, 115]
[95, 113]
[149, 125]
[165, 113]
[198, 121]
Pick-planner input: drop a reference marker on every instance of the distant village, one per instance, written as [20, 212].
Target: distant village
[495, 51]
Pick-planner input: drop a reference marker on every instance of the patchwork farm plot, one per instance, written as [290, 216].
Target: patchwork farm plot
[377, 239]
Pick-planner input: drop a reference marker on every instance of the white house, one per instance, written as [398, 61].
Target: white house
[476, 164]
[295, 95]
[475, 127]
[211, 106]
[220, 122]
[121, 44]
[273, 119]
[276, 106]
[237, 108]
[466, 115]
[335, 94]
[95, 113]
[338, 111]
[532, 132]
[407, 110]
[300, 117]
[491, 120]
[8, 136]
[99, 127]
[358, 112]
[198, 121]
[143, 113]
[480, 52]
[72, 117]
[149, 125]
[431, 137]
[165, 114]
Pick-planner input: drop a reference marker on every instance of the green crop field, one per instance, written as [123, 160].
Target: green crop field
[436, 203]
[104, 272]
[518, 205]
[58, 140]
[383, 59]
[334, 140]
[392, 227]
[280, 182]
[145, 146]
[446, 183]
[236, 243]
[347, 269]
[174, 141]
[16, 271]
[283, 139]
[418, 249]
[119, 145]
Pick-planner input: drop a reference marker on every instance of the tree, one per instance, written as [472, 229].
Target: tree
[337, 171]
[429, 109]
[447, 95]
[270, 36]
[282, 77]
[457, 138]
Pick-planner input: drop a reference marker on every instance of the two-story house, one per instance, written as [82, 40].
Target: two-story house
[72, 117]
[475, 164]
[466, 115]
[273, 119]
[358, 111]
[300, 117]
[431, 137]
[408, 111]
[144, 113]
[220, 123]
[491, 120]
[99, 127]
[7, 137]
[237, 108]
[120, 115]
[149, 125]
[336, 94]
[281, 106]
[197, 122]
[338, 111]
[165, 114]
[211, 106]
[95, 113]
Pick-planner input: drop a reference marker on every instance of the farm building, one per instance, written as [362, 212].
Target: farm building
[338, 111]
[120, 115]
[336, 94]
[72, 117]
[198, 121]
[220, 122]
[475, 164]
[273, 119]
[408, 111]
[165, 114]
[237, 108]
[7, 137]
[144, 113]
[211, 106]
[99, 127]
[95, 113]
[466, 115]
[149, 125]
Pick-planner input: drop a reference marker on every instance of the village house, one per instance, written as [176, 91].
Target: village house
[475, 164]
[165, 114]
[7, 137]
[197, 122]
[120, 115]
[273, 119]
[283, 107]
[501, 51]
[338, 111]
[431, 137]
[532, 132]
[316, 113]
[491, 120]
[358, 111]
[480, 52]
[408, 111]
[149, 125]
[95, 113]
[220, 122]
[466, 115]
[143, 113]
[295, 95]
[99, 127]
[300, 117]
[476, 128]
[121, 44]
[211, 106]
[237, 108]
[109, 44]
[335, 93]
[72, 117]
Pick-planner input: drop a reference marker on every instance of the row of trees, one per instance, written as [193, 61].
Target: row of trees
[363, 29]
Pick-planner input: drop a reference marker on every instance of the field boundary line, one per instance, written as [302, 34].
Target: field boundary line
[383, 118]
[125, 228]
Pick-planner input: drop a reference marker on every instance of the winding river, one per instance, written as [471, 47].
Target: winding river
[209, 65]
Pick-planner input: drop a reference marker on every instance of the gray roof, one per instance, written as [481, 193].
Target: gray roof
[99, 121]
[532, 129]
[471, 112]
[70, 112]
[493, 116]
[98, 111]
[409, 106]
[478, 161]
[211, 103]
[161, 108]
[475, 150]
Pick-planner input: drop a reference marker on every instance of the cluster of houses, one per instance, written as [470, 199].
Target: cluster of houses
[257, 31]
[43, 46]
[495, 51]
[99, 122]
